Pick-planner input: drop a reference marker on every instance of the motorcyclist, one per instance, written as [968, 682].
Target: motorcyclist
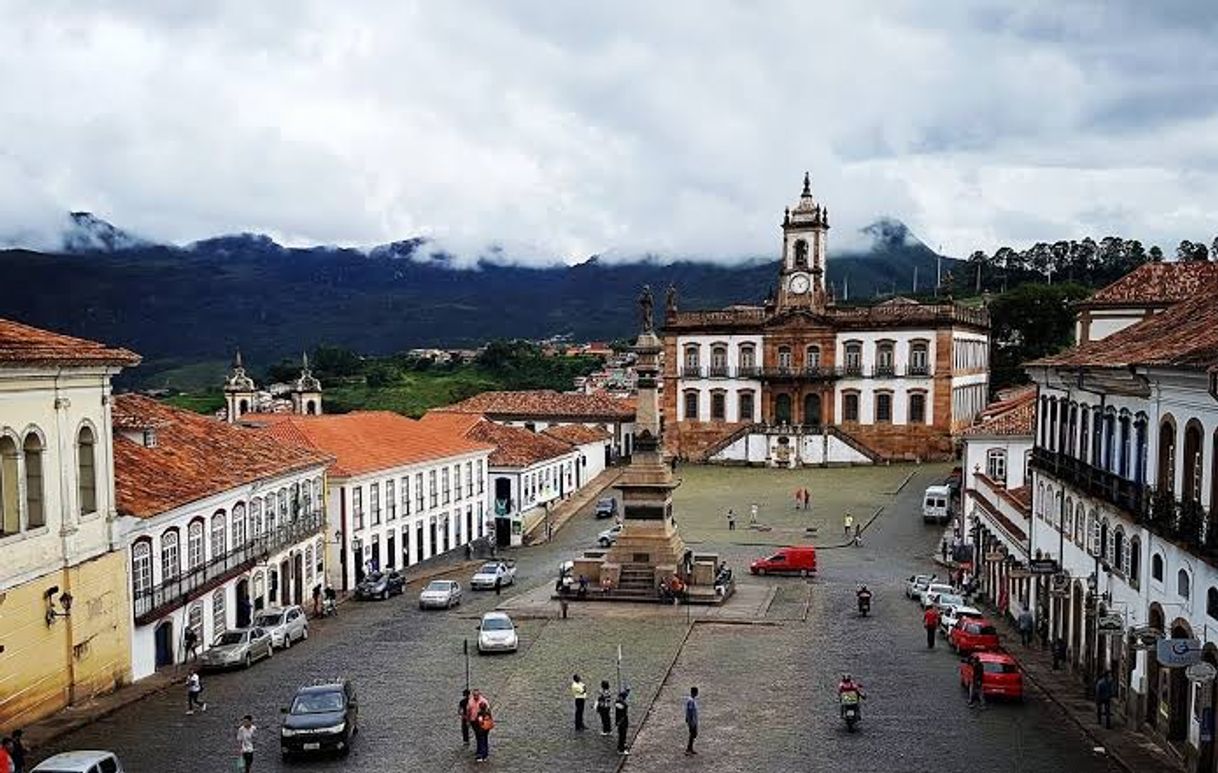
[848, 691]
[864, 597]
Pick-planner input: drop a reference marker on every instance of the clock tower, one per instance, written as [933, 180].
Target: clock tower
[801, 283]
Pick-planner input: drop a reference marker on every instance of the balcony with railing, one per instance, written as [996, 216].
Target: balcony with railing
[1127, 495]
[814, 373]
[152, 603]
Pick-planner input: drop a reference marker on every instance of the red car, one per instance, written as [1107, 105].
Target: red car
[1000, 675]
[791, 560]
[972, 634]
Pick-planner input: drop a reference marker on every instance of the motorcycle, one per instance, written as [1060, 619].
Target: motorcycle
[864, 600]
[850, 709]
[328, 607]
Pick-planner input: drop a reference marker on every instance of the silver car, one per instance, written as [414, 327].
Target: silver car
[440, 594]
[239, 647]
[496, 633]
[284, 624]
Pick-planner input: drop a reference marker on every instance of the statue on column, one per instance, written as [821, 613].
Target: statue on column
[646, 309]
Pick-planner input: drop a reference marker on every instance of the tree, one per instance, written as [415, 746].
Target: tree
[1156, 254]
[380, 375]
[1192, 251]
[1030, 321]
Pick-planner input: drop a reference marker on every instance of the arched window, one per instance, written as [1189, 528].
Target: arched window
[1211, 602]
[718, 363]
[1093, 532]
[885, 358]
[1135, 561]
[883, 407]
[850, 406]
[1068, 518]
[1167, 455]
[784, 357]
[996, 465]
[1124, 446]
[1156, 567]
[691, 360]
[10, 502]
[269, 513]
[219, 612]
[141, 575]
[86, 471]
[854, 357]
[1193, 461]
[238, 525]
[1084, 432]
[801, 254]
[1141, 448]
[1183, 584]
[1080, 526]
[1102, 552]
[917, 407]
[171, 560]
[35, 514]
[219, 535]
[745, 407]
[812, 357]
[748, 357]
[255, 519]
[283, 506]
[194, 619]
[718, 406]
[1118, 549]
[782, 409]
[691, 405]
[194, 545]
[919, 358]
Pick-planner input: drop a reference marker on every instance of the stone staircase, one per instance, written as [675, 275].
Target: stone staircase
[695, 441]
[853, 442]
[636, 583]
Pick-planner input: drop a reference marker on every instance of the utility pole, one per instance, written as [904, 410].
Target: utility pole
[915, 283]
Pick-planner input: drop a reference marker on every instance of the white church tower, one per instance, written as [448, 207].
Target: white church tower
[306, 391]
[239, 392]
[804, 240]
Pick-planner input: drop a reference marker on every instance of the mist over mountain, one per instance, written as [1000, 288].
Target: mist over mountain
[198, 302]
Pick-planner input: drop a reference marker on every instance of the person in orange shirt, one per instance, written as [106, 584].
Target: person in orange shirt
[930, 621]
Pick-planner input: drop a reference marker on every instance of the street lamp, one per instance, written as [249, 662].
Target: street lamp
[65, 601]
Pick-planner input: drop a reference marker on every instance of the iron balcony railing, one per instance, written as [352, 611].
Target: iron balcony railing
[152, 603]
[1128, 495]
[805, 373]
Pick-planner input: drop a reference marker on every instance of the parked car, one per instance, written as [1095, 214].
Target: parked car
[930, 595]
[971, 634]
[791, 560]
[1000, 674]
[609, 536]
[916, 584]
[80, 762]
[380, 585]
[945, 601]
[492, 572]
[239, 647]
[285, 625]
[606, 508]
[950, 616]
[496, 633]
[440, 594]
[321, 717]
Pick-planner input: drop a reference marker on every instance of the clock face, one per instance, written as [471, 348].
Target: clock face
[800, 284]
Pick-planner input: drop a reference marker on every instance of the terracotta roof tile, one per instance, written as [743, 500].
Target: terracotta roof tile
[1014, 416]
[21, 344]
[516, 446]
[367, 441]
[577, 434]
[1183, 336]
[1157, 284]
[545, 403]
[194, 457]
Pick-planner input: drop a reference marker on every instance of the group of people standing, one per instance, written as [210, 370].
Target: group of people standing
[613, 712]
[475, 712]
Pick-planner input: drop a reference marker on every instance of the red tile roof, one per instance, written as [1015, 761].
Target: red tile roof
[517, 446]
[194, 457]
[367, 441]
[1013, 416]
[21, 344]
[1157, 284]
[1184, 336]
[577, 434]
[546, 403]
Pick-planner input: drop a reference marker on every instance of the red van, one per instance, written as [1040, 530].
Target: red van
[793, 560]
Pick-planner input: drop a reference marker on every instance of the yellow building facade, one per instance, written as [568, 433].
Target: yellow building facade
[65, 606]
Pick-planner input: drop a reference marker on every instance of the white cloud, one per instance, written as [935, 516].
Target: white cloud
[564, 130]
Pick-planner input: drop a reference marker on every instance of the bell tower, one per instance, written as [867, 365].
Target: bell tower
[306, 391]
[801, 283]
[240, 394]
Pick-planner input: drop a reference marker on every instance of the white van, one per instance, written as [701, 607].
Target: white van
[936, 504]
[81, 762]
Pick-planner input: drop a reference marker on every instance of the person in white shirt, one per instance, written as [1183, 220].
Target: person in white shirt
[245, 740]
[194, 689]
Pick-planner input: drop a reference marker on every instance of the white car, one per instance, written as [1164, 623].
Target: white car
[285, 625]
[945, 601]
[80, 762]
[916, 584]
[503, 572]
[930, 595]
[496, 633]
[440, 594]
[950, 615]
[609, 536]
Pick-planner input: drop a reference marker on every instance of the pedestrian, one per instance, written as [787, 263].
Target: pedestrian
[245, 742]
[943, 550]
[930, 621]
[316, 600]
[807, 499]
[6, 755]
[858, 535]
[731, 519]
[194, 691]
[848, 522]
[579, 691]
[1103, 700]
[1042, 630]
[17, 751]
[463, 713]
[976, 693]
[621, 716]
[799, 498]
[604, 705]
[1026, 624]
[469, 550]
[483, 724]
[753, 514]
[498, 584]
[1059, 652]
[691, 719]
[190, 642]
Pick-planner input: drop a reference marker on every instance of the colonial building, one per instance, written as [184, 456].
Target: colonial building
[242, 396]
[218, 521]
[1147, 290]
[1124, 472]
[801, 380]
[538, 409]
[65, 621]
[400, 491]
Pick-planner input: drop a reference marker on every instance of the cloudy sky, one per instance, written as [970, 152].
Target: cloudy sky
[565, 129]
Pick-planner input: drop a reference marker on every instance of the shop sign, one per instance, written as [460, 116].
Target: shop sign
[1042, 566]
[1178, 653]
[995, 557]
[1201, 672]
[1111, 624]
